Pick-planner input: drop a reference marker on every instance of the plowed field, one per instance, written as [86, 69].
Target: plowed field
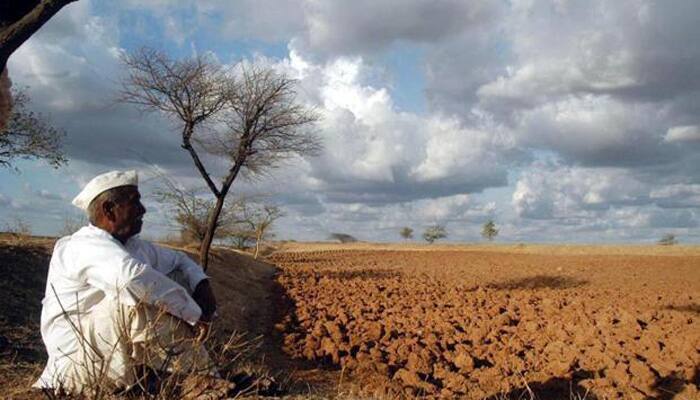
[475, 324]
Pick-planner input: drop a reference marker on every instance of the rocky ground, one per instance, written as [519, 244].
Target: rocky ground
[475, 324]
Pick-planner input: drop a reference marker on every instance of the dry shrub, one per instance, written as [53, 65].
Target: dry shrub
[19, 230]
[72, 224]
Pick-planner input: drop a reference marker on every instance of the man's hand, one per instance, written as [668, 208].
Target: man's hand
[204, 297]
[202, 330]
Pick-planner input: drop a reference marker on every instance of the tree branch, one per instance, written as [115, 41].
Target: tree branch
[187, 145]
[12, 37]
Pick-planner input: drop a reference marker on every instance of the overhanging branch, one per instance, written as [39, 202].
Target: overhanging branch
[18, 32]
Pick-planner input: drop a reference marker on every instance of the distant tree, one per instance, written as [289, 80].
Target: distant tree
[342, 237]
[19, 230]
[241, 237]
[192, 213]
[244, 221]
[434, 232]
[489, 230]
[668, 239]
[261, 220]
[249, 118]
[29, 135]
[406, 233]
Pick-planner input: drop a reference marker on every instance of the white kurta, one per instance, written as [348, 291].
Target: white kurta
[91, 266]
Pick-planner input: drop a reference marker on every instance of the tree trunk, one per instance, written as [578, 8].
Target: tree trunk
[211, 230]
[258, 239]
[214, 217]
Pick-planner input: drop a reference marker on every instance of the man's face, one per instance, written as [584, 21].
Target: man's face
[128, 214]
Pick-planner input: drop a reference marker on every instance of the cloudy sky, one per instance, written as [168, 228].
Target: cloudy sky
[562, 120]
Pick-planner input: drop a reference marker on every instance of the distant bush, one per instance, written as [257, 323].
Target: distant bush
[489, 230]
[406, 233]
[20, 231]
[434, 232]
[342, 237]
[668, 239]
[71, 224]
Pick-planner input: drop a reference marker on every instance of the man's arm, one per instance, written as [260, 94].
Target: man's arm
[198, 281]
[115, 272]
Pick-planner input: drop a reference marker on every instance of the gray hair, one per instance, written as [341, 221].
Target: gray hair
[115, 195]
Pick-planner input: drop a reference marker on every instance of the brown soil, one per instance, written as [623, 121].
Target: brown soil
[476, 323]
[403, 321]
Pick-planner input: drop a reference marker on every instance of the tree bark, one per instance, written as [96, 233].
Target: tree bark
[258, 239]
[13, 35]
[214, 217]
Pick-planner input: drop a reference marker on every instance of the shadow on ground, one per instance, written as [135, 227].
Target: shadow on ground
[356, 274]
[24, 269]
[540, 282]
[669, 387]
[693, 308]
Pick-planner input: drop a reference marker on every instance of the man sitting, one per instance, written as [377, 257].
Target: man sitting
[114, 304]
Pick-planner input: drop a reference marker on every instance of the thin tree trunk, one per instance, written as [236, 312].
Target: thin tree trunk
[214, 217]
[258, 239]
[211, 230]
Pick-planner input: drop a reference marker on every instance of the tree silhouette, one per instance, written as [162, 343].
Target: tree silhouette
[489, 230]
[249, 117]
[434, 232]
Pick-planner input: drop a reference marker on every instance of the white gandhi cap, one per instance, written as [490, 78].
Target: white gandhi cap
[103, 182]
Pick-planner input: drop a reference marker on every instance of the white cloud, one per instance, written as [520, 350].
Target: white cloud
[593, 82]
[555, 192]
[687, 133]
[608, 89]
[593, 129]
[454, 150]
[376, 152]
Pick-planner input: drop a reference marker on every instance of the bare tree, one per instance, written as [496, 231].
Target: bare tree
[249, 117]
[19, 230]
[261, 220]
[242, 236]
[29, 135]
[19, 20]
[192, 212]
